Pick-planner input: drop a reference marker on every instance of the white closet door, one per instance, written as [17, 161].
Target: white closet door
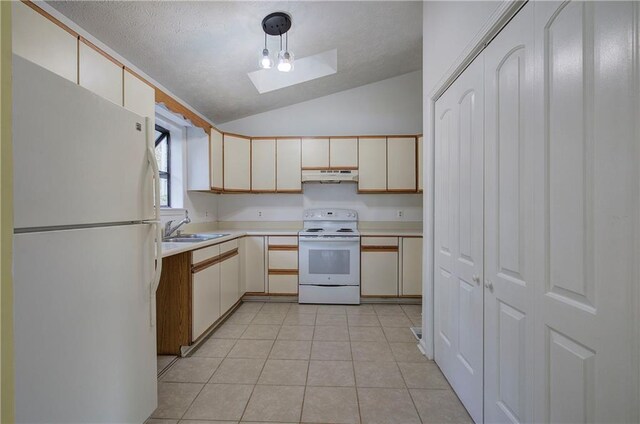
[587, 212]
[509, 285]
[459, 238]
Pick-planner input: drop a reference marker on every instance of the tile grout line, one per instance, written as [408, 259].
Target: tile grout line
[244, 411]
[353, 367]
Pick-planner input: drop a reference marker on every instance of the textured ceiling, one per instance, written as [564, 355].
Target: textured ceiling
[202, 51]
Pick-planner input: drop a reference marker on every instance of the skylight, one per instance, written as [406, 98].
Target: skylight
[306, 69]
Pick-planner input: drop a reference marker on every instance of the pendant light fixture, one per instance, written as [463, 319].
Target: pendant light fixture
[265, 60]
[277, 24]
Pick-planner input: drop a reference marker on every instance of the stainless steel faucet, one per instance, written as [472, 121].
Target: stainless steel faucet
[169, 229]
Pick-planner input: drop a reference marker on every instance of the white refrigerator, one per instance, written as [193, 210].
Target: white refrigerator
[86, 243]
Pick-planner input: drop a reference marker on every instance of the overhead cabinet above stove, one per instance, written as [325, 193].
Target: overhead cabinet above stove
[239, 164]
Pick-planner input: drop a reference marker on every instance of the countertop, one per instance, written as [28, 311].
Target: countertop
[170, 249]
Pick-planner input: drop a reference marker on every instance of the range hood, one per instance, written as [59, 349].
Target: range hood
[331, 176]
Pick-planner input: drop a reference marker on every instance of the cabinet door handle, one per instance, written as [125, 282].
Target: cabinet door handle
[476, 279]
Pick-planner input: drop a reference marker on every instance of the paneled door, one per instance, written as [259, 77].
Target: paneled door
[587, 214]
[458, 236]
[508, 206]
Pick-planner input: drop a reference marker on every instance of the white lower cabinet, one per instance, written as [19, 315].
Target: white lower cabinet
[254, 264]
[411, 269]
[206, 299]
[391, 266]
[379, 266]
[229, 282]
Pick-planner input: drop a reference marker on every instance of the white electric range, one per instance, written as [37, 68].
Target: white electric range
[329, 257]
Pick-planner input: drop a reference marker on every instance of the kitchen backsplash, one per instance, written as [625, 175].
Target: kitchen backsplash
[289, 207]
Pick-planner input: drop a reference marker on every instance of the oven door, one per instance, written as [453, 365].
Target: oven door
[329, 262]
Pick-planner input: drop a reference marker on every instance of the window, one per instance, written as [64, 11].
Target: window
[163, 156]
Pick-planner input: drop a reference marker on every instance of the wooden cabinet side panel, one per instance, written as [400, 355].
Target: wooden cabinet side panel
[173, 304]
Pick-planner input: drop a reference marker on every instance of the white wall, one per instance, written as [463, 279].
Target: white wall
[448, 28]
[391, 106]
[289, 207]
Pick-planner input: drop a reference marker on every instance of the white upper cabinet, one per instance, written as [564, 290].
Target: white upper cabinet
[100, 74]
[401, 163]
[315, 153]
[139, 97]
[263, 165]
[237, 163]
[372, 160]
[41, 41]
[289, 178]
[343, 152]
[197, 159]
[215, 161]
[420, 165]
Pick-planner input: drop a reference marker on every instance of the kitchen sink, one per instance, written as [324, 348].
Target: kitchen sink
[192, 238]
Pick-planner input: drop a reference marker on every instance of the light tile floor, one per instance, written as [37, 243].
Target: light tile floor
[290, 363]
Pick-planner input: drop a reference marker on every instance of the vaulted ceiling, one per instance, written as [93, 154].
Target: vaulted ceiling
[202, 51]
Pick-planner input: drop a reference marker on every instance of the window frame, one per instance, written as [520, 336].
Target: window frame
[165, 134]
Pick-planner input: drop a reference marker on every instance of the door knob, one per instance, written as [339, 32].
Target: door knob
[476, 279]
[488, 284]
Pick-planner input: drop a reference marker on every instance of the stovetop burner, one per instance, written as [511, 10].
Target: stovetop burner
[314, 230]
[345, 230]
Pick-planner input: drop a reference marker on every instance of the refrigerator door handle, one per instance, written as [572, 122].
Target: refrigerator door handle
[151, 157]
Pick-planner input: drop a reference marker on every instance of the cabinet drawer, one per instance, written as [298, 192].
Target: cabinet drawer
[228, 246]
[379, 241]
[283, 259]
[283, 241]
[283, 284]
[201, 255]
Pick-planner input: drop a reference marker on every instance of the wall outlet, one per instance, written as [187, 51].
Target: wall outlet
[400, 214]
[259, 214]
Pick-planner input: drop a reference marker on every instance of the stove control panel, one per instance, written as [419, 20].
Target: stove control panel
[330, 215]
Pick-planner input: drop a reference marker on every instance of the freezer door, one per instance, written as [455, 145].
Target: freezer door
[78, 158]
[85, 351]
